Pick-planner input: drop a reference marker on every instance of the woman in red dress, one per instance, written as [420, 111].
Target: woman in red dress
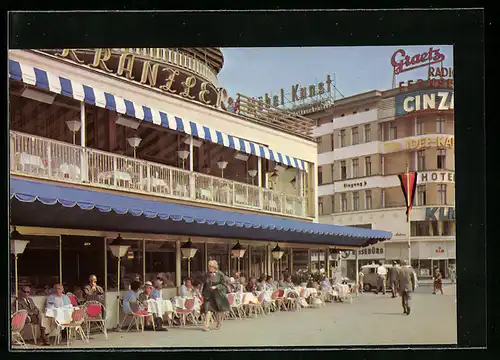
[438, 282]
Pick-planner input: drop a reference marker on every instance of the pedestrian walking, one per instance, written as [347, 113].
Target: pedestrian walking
[452, 274]
[381, 278]
[214, 295]
[406, 285]
[361, 284]
[393, 278]
[438, 281]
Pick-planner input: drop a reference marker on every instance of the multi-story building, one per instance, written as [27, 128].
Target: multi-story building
[367, 139]
[142, 145]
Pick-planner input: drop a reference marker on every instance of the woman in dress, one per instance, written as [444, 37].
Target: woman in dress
[438, 282]
[214, 295]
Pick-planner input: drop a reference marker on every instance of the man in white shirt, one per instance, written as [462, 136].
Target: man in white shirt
[381, 278]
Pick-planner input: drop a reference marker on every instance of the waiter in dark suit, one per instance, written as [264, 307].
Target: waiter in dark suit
[34, 316]
[406, 283]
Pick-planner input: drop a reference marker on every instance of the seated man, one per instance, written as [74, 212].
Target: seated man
[270, 284]
[156, 293]
[186, 288]
[261, 285]
[56, 300]
[142, 301]
[93, 292]
[130, 296]
[34, 316]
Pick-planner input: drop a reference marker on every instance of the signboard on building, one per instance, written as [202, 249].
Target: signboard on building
[372, 252]
[151, 72]
[401, 61]
[435, 177]
[439, 213]
[420, 142]
[424, 100]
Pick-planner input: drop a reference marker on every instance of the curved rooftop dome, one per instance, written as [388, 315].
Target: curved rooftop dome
[212, 55]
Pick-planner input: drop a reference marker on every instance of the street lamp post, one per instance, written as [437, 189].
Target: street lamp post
[119, 249]
[17, 246]
[277, 254]
[238, 252]
[188, 251]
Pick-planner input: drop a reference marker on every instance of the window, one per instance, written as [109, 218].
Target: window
[368, 166]
[441, 159]
[331, 139]
[368, 133]
[442, 194]
[367, 109]
[342, 138]
[420, 160]
[393, 131]
[424, 228]
[333, 203]
[368, 199]
[320, 175]
[355, 201]
[343, 201]
[343, 170]
[440, 124]
[421, 195]
[332, 171]
[420, 127]
[355, 168]
[320, 206]
[448, 228]
[355, 136]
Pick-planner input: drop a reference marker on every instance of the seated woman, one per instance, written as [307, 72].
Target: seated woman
[186, 288]
[252, 285]
[261, 285]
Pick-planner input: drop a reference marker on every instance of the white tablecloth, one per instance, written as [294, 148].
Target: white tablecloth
[120, 175]
[249, 297]
[342, 289]
[155, 182]
[179, 301]
[34, 160]
[160, 307]
[205, 193]
[69, 169]
[62, 315]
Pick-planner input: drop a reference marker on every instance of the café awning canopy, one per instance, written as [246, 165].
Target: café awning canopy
[46, 204]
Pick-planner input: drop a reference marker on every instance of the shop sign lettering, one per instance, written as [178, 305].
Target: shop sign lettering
[437, 213]
[402, 62]
[427, 177]
[357, 184]
[152, 73]
[441, 141]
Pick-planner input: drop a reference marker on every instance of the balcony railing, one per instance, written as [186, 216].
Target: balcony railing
[49, 159]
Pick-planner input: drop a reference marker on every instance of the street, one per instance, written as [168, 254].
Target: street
[369, 320]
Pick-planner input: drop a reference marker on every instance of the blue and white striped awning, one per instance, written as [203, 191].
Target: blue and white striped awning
[45, 80]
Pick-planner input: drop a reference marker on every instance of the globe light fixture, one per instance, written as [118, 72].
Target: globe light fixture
[238, 252]
[74, 126]
[119, 249]
[189, 251]
[222, 164]
[134, 141]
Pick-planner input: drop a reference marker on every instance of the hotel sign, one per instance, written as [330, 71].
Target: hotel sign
[433, 100]
[155, 74]
[436, 177]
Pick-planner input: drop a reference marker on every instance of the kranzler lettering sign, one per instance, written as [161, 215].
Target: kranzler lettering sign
[148, 72]
[428, 100]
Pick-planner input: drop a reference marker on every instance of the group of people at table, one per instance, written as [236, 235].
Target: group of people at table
[55, 303]
[210, 293]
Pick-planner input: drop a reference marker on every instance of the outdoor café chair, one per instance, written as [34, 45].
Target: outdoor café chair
[73, 327]
[139, 317]
[187, 312]
[234, 305]
[95, 315]
[256, 306]
[17, 325]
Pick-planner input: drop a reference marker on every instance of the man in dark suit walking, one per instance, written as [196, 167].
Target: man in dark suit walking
[34, 316]
[393, 278]
[406, 283]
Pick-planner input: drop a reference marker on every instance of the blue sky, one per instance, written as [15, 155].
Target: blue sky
[256, 71]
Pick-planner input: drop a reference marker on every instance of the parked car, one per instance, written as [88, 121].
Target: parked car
[370, 278]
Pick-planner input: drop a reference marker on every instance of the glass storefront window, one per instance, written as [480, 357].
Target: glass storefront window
[41, 276]
[160, 262]
[219, 252]
[82, 256]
